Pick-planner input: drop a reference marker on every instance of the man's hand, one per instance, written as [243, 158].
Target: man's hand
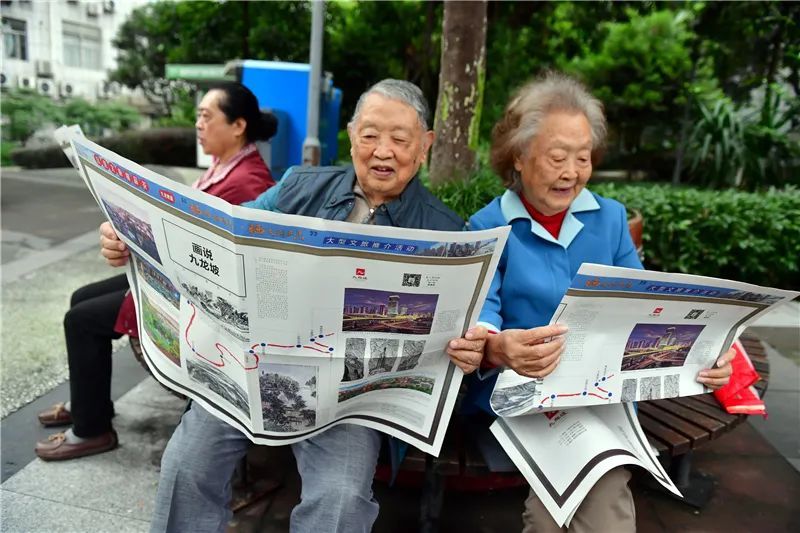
[467, 352]
[715, 378]
[528, 352]
[113, 249]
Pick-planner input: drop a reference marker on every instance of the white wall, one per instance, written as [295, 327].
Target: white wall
[44, 39]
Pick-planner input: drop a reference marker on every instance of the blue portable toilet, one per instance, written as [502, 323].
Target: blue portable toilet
[282, 88]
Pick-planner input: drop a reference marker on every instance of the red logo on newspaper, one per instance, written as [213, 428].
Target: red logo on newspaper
[361, 274]
[551, 414]
[657, 311]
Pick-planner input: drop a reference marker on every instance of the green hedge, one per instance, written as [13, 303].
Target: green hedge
[157, 146]
[752, 237]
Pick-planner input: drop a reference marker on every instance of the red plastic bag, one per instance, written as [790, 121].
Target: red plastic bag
[739, 396]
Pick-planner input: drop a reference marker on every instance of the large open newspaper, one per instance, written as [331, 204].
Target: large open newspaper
[286, 325]
[563, 454]
[636, 335]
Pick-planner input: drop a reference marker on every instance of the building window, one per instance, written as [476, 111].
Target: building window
[82, 46]
[15, 40]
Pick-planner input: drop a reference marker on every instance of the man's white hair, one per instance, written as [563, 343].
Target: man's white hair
[401, 90]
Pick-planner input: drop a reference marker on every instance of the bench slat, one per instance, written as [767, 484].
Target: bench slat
[711, 426]
[712, 411]
[677, 443]
[696, 434]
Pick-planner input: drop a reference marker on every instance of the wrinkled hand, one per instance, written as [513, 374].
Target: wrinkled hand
[720, 375]
[528, 352]
[113, 249]
[467, 352]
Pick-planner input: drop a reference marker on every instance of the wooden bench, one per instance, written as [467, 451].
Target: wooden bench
[675, 427]
[678, 426]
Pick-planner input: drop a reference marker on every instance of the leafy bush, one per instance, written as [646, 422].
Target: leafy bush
[752, 237]
[734, 146]
[164, 146]
[25, 111]
[5, 152]
[466, 197]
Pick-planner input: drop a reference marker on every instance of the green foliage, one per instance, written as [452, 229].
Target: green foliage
[733, 146]
[26, 111]
[159, 146]
[5, 152]
[752, 237]
[646, 60]
[183, 113]
[467, 196]
[639, 72]
[96, 117]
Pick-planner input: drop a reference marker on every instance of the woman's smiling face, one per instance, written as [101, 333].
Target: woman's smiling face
[558, 162]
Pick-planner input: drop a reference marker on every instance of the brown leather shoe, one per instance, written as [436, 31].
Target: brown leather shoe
[56, 447]
[55, 416]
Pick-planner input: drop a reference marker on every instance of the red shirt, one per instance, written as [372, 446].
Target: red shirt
[552, 223]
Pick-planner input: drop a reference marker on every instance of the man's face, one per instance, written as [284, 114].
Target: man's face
[388, 147]
[558, 162]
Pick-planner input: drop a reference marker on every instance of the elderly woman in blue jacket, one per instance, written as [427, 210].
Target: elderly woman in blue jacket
[542, 148]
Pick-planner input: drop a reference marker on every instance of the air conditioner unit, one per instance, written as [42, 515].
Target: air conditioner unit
[65, 90]
[92, 10]
[108, 6]
[45, 86]
[44, 68]
[5, 81]
[25, 82]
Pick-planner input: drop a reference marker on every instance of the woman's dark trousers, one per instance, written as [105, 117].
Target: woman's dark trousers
[89, 330]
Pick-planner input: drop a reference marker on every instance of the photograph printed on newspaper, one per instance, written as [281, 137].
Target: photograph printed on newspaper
[636, 335]
[283, 325]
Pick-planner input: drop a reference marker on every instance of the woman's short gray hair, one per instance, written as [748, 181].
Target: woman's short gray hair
[513, 133]
[405, 91]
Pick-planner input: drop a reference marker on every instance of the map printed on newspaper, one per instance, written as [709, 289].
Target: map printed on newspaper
[284, 326]
[636, 335]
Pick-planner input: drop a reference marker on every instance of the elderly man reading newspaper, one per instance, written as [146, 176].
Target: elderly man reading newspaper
[390, 140]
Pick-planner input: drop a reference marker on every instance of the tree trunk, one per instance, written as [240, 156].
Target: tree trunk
[458, 107]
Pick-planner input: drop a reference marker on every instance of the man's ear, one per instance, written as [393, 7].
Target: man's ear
[427, 141]
[351, 137]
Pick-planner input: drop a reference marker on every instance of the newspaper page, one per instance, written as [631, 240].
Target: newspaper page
[636, 335]
[284, 326]
[562, 454]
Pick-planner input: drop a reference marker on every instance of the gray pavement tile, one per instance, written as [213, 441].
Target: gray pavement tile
[121, 482]
[32, 340]
[29, 514]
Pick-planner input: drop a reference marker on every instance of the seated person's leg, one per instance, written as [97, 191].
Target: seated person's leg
[607, 507]
[194, 489]
[59, 414]
[89, 330]
[336, 468]
[99, 288]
